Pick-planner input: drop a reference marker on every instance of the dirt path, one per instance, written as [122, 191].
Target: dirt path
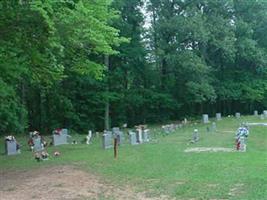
[64, 182]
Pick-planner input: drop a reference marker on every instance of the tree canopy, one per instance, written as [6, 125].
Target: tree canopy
[167, 59]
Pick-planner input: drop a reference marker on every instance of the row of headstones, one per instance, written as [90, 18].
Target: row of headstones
[169, 128]
[11, 146]
[205, 117]
[135, 137]
[262, 116]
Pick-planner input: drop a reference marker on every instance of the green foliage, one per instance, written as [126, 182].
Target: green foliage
[167, 60]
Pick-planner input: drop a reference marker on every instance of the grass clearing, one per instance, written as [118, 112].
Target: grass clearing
[163, 168]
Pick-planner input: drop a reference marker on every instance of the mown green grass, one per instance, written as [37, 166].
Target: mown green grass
[162, 167]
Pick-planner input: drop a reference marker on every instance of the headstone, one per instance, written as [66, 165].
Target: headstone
[60, 136]
[237, 115]
[195, 136]
[139, 136]
[214, 127]
[205, 118]
[262, 116]
[88, 137]
[118, 134]
[132, 138]
[218, 116]
[265, 113]
[146, 135]
[255, 113]
[107, 139]
[243, 146]
[11, 147]
[37, 143]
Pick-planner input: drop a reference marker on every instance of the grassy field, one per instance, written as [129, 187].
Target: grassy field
[162, 166]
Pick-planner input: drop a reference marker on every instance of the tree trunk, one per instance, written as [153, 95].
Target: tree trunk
[106, 117]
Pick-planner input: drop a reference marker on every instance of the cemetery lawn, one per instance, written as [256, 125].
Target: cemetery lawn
[161, 167]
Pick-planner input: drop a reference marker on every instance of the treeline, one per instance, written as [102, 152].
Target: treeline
[90, 64]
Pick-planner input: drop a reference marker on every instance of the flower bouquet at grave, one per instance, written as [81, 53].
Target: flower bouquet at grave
[10, 138]
[57, 131]
[39, 156]
[241, 134]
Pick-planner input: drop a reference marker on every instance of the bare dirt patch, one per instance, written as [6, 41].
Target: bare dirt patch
[63, 182]
[208, 149]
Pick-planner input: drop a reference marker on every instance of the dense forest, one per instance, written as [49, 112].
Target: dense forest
[93, 64]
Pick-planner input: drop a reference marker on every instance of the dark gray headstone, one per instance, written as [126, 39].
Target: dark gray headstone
[11, 147]
[107, 139]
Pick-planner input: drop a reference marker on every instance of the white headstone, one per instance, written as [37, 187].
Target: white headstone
[255, 113]
[218, 116]
[237, 115]
[205, 118]
[88, 137]
[265, 113]
[262, 116]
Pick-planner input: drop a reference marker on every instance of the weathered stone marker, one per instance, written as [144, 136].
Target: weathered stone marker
[37, 143]
[146, 135]
[218, 116]
[88, 137]
[255, 113]
[117, 133]
[195, 136]
[205, 118]
[214, 127]
[11, 147]
[107, 139]
[132, 138]
[265, 113]
[237, 115]
[60, 136]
